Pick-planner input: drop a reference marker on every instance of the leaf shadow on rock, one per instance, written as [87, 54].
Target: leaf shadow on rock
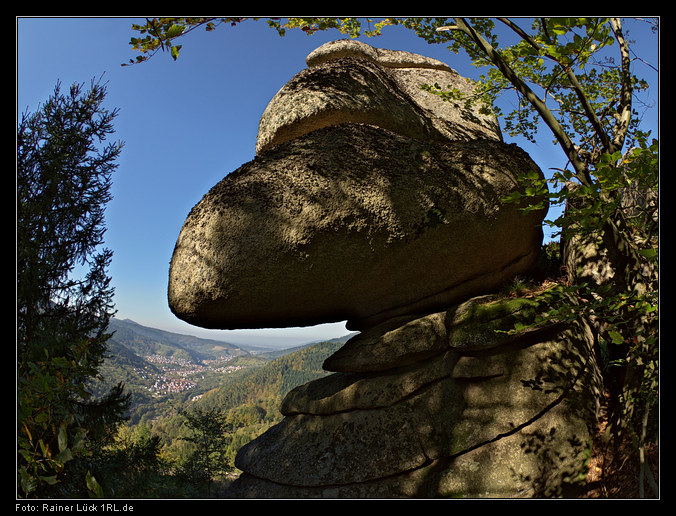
[349, 222]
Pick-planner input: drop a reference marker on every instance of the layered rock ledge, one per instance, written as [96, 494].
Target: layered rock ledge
[441, 414]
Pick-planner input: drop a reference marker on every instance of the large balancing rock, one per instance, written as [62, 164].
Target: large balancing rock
[353, 222]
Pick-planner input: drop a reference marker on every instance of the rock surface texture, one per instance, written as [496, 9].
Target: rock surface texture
[373, 201]
[359, 206]
[447, 410]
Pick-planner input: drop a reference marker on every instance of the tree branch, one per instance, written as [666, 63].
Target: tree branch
[582, 174]
[624, 107]
[576, 86]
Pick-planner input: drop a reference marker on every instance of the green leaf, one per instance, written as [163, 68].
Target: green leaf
[51, 480]
[616, 337]
[63, 437]
[175, 30]
[64, 456]
[174, 51]
[95, 489]
[648, 253]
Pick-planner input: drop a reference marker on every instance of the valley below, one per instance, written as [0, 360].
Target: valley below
[168, 375]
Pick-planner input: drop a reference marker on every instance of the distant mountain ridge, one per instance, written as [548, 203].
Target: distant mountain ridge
[160, 368]
[138, 356]
[146, 341]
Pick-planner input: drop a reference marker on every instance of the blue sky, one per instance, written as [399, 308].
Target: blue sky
[188, 123]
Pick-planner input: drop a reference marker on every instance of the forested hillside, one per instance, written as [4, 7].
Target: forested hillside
[275, 379]
[163, 370]
[159, 368]
[170, 376]
[249, 398]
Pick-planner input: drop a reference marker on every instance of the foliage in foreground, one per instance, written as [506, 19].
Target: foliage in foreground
[64, 299]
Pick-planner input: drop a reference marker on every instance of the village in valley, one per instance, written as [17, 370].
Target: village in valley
[178, 374]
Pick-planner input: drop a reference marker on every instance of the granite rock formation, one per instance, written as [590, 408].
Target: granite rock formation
[352, 210]
[373, 201]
